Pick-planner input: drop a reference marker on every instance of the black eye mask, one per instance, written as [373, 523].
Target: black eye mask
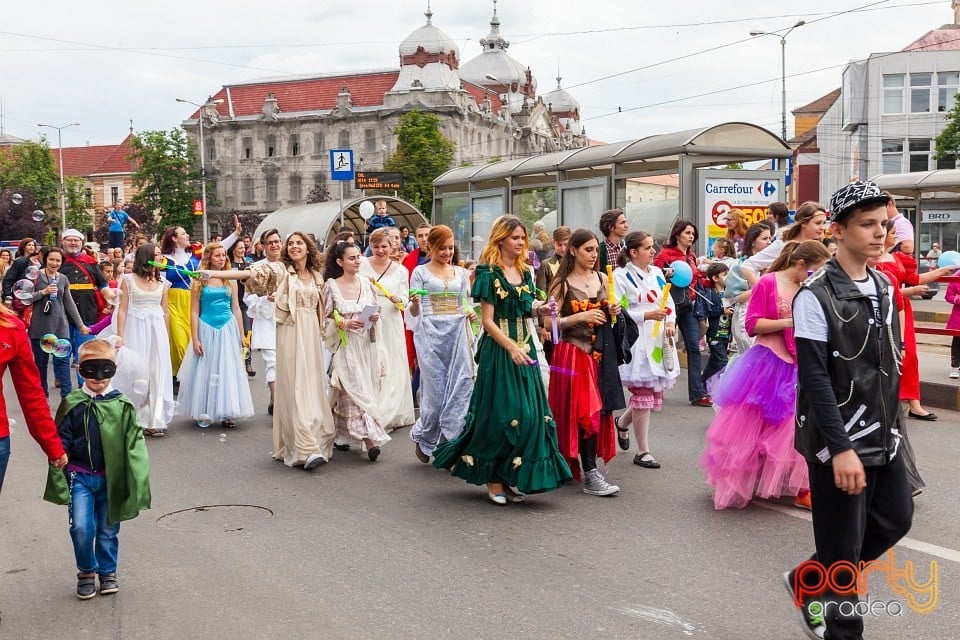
[98, 369]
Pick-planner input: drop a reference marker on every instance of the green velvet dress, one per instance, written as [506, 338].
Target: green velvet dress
[510, 436]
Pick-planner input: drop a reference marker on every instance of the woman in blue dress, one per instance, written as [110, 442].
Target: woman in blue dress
[213, 382]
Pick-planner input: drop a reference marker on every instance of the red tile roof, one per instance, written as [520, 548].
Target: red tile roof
[479, 93]
[81, 162]
[946, 38]
[820, 105]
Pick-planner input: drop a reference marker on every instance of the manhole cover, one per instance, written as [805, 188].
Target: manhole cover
[215, 517]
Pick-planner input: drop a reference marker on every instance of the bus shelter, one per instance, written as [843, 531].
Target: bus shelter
[931, 200]
[574, 187]
[322, 219]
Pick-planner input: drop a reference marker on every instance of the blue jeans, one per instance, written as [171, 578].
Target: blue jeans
[689, 328]
[61, 368]
[76, 339]
[95, 543]
[4, 456]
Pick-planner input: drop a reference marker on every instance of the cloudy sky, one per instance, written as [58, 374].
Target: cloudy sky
[637, 68]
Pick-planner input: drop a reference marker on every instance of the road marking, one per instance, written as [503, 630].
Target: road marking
[663, 617]
[909, 543]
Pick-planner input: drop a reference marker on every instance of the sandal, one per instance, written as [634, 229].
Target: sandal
[229, 424]
[156, 433]
[646, 460]
[623, 435]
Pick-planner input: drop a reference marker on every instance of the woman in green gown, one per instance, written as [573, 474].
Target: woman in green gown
[510, 439]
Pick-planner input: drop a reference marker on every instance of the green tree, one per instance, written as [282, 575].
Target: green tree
[28, 169]
[168, 175]
[78, 217]
[948, 142]
[422, 154]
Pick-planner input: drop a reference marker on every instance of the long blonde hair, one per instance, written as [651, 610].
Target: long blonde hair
[208, 250]
[503, 227]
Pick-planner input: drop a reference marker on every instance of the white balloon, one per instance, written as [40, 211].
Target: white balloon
[366, 209]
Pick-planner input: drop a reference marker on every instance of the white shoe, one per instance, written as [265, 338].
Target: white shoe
[595, 484]
[955, 373]
[313, 460]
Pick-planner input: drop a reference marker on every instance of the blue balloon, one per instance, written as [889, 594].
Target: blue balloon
[682, 274]
[949, 259]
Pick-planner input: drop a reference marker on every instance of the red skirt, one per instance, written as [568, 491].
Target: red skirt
[575, 403]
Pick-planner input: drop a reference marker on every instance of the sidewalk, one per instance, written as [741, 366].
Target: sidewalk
[936, 389]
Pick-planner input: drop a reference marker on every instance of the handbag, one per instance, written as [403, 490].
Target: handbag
[669, 354]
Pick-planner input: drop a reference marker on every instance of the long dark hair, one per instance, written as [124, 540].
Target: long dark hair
[168, 243]
[141, 262]
[314, 261]
[332, 269]
[23, 245]
[810, 251]
[631, 242]
[578, 238]
[677, 229]
[754, 231]
[805, 213]
[46, 252]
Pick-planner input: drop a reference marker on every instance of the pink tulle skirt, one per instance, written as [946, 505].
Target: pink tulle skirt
[750, 441]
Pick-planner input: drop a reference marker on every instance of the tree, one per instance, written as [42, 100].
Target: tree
[77, 215]
[16, 220]
[319, 193]
[168, 175]
[948, 142]
[27, 169]
[422, 154]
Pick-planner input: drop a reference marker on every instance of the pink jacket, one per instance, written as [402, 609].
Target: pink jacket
[765, 303]
[953, 297]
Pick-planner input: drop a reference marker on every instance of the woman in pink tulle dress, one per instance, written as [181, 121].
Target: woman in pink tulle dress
[750, 441]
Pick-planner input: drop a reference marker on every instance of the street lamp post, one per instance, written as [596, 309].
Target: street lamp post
[783, 71]
[203, 167]
[63, 193]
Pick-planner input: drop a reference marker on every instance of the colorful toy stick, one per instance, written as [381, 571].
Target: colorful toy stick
[386, 292]
[419, 292]
[164, 266]
[343, 334]
[556, 369]
[554, 320]
[540, 293]
[424, 292]
[475, 325]
[611, 297]
[663, 305]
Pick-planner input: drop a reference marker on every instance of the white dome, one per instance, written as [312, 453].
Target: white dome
[431, 39]
[560, 100]
[502, 69]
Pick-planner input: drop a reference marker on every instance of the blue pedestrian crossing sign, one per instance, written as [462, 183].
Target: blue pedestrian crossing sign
[341, 164]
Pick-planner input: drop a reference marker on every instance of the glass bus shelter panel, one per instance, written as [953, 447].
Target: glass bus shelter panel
[453, 210]
[485, 209]
[530, 205]
[582, 203]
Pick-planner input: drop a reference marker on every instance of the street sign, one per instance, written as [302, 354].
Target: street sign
[391, 180]
[341, 164]
[198, 207]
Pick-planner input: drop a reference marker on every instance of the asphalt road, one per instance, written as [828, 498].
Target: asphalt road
[396, 549]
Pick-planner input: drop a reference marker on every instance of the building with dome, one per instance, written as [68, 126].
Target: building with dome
[266, 141]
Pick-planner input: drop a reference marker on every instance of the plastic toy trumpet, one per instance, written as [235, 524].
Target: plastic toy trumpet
[611, 297]
[663, 305]
[166, 266]
[343, 334]
[553, 320]
[386, 292]
[419, 292]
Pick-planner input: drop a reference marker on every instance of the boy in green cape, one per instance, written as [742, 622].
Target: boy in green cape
[107, 478]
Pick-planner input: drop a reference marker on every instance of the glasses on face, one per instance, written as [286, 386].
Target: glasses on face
[270, 242]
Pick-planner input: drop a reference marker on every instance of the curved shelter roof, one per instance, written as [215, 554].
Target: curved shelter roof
[322, 219]
[918, 182]
[633, 157]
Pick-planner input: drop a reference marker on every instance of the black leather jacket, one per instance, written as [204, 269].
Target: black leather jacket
[848, 392]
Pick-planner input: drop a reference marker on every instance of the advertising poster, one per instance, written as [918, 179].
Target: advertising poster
[722, 190]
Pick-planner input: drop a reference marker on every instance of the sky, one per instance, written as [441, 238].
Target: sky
[637, 68]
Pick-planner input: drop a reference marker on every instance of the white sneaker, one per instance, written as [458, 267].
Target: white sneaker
[595, 484]
[313, 460]
[955, 373]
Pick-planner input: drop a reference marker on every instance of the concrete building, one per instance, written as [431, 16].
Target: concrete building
[805, 184]
[266, 142]
[107, 174]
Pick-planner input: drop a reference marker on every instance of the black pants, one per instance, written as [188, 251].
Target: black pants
[718, 358]
[588, 451]
[856, 528]
[955, 352]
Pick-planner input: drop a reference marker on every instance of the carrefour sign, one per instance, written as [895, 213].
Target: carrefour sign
[722, 190]
[764, 189]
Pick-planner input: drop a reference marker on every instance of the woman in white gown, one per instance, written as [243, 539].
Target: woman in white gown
[142, 324]
[396, 400]
[303, 430]
[355, 368]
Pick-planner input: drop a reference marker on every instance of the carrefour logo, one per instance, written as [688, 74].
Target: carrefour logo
[767, 188]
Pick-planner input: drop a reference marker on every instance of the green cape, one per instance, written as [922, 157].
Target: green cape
[124, 454]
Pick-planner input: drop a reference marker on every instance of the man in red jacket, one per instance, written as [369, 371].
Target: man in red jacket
[15, 353]
[413, 260]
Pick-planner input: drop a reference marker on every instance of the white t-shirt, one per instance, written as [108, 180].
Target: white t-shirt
[810, 322]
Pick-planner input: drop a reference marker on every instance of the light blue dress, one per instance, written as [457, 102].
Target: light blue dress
[215, 384]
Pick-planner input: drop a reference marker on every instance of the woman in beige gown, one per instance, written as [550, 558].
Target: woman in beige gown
[303, 427]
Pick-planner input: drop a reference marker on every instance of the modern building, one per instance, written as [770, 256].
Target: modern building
[891, 108]
[266, 142]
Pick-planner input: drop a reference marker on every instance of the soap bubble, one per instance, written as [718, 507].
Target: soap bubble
[48, 342]
[23, 291]
[38, 215]
[16, 198]
[32, 272]
[204, 421]
[214, 379]
[141, 387]
[223, 437]
[62, 348]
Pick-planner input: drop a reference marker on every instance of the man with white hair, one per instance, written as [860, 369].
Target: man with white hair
[88, 287]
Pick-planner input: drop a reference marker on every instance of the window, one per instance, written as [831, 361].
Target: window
[920, 92]
[947, 84]
[919, 154]
[892, 151]
[295, 188]
[114, 194]
[271, 188]
[246, 188]
[88, 198]
[370, 140]
[893, 94]
[343, 139]
[211, 148]
[294, 144]
[319, 142]
[271, 146]
[247, 148]
[228, 191]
